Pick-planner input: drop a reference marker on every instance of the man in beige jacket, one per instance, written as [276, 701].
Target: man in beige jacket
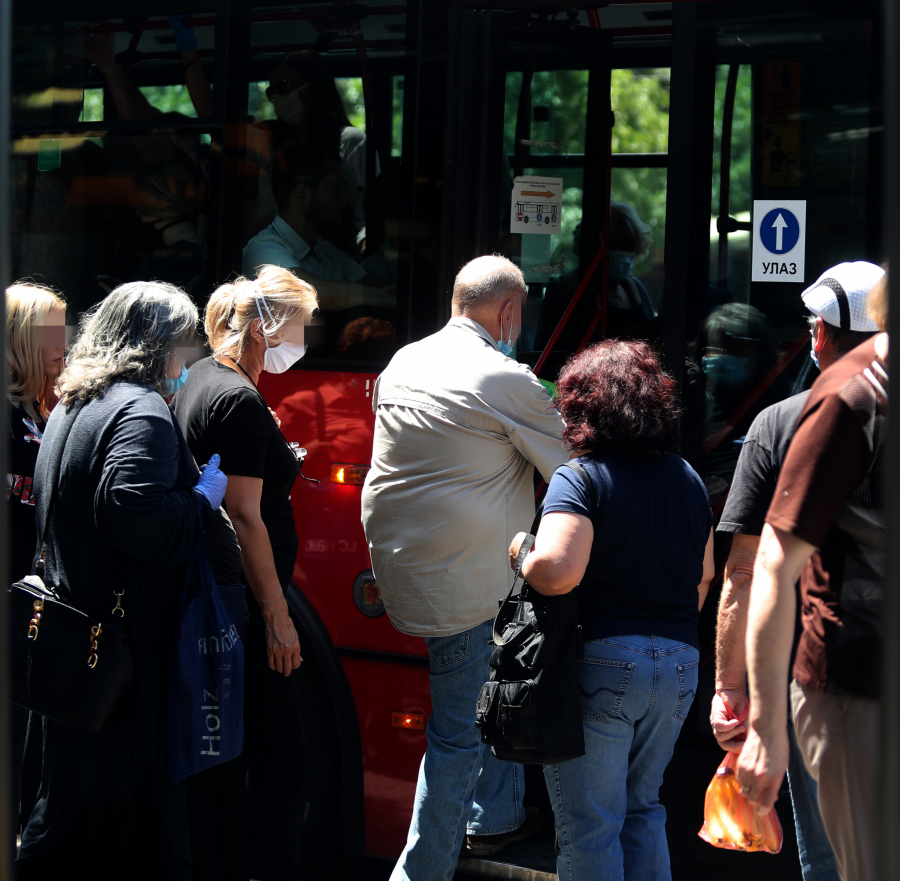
[459, 428]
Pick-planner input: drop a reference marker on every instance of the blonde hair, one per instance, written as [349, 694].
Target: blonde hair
[877, 304]
[27, 307]
[232, 308]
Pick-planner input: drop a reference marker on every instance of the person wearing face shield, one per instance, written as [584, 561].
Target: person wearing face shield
[459, 430]
[311, 195]
[255, 326]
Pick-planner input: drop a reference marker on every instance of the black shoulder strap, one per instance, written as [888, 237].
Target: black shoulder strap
[53, 481]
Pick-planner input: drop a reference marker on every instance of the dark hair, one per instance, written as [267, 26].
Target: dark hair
[843, 341]
[615, 398]
[300, 165]
[327, 112]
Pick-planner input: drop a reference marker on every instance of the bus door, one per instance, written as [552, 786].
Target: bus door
[536, 186]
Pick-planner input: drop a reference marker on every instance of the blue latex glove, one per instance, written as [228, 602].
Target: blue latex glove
[184, 35]
[212, 483]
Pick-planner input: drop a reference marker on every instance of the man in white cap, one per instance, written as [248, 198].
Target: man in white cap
[838, 323]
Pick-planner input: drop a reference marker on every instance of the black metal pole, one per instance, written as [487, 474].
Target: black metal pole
[7, 816]
[890, 796]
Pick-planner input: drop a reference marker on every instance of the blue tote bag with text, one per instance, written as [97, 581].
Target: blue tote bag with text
[206, 680]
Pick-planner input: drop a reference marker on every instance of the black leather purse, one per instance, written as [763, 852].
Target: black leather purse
[530, 710]
[64, 664]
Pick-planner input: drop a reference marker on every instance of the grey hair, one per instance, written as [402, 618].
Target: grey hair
[477, 286]
[131, 335]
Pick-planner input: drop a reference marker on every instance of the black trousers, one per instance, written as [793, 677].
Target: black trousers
[245, 815]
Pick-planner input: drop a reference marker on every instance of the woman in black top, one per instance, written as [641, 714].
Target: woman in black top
[254, 326]
[122, 530]
[35, 344]
[637, 542]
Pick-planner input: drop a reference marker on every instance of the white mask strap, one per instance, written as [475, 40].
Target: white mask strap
[259, 297]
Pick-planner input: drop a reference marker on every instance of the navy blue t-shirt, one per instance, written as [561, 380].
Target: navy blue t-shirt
[651, 524]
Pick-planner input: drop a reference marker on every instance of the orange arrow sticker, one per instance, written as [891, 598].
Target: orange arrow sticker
[545, 193]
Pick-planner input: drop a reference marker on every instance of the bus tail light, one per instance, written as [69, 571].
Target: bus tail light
[352, 475]
[414, 721]
[367, 596]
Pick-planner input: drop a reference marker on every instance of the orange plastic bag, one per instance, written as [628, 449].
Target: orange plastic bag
[729, 820]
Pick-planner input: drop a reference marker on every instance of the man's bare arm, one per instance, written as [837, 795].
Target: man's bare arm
[770, 630]
[730, 701]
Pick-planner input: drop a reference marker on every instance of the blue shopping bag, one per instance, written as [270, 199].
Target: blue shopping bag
[206, 679]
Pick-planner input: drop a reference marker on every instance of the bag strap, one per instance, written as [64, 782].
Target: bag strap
[53, 479]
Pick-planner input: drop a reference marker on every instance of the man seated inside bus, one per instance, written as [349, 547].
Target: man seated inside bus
[311, 196]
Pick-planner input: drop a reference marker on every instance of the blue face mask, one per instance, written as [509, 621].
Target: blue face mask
[812, 354]
[172, 385]
[727, 371]
[620, 265]
[506, 346]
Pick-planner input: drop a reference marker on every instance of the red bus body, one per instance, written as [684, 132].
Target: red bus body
[330, 413]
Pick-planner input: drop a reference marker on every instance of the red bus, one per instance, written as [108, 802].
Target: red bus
[689, 111]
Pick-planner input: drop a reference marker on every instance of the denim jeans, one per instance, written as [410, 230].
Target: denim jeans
[635, 694]
[462, 789]
[816, 856]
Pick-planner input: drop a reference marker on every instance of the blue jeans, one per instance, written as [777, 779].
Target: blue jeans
[816, 856]
[462, 789]
[635, 694]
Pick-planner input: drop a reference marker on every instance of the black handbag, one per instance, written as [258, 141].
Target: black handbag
[64, 664]
[530, 710]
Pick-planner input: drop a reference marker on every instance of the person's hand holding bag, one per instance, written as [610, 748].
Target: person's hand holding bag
[212, 482]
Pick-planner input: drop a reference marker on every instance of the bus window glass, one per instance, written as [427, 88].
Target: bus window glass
[544, 137]
[89, 213]
[323, 191]
[801, 129]
[645, 189]
[75, 72]
[397, 115]
[640, 101]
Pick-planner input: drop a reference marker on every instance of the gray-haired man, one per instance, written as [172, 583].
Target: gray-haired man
[459, 428]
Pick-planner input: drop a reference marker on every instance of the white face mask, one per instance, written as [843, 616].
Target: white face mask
[290, 107]
[282, 357]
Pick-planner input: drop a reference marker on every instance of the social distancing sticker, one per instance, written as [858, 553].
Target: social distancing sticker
[536, 205]
[779, 240]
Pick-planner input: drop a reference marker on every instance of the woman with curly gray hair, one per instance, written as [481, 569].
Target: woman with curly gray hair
[122, 530]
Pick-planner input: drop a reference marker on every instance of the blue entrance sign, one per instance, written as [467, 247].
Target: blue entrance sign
[779, 231]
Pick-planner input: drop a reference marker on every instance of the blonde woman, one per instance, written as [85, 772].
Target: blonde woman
[256, 326]
[35, 343]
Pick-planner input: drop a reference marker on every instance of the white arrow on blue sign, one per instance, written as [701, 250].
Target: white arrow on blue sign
[779, 240]
[779, 231]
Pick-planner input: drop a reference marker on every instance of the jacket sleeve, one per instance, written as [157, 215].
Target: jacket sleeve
[537, 433]
[141, 507]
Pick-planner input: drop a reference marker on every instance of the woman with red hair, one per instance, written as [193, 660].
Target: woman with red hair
[637, 542]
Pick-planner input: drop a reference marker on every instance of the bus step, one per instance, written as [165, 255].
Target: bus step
[531, 860]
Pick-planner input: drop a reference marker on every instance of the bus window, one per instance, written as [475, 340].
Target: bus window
[543, 137]
[324, 191]
[95, 201]
[640, 101]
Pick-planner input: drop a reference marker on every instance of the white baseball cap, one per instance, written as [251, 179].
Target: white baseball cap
[839, 295]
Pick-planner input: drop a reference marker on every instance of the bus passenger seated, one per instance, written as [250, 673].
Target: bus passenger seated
[310, 193]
